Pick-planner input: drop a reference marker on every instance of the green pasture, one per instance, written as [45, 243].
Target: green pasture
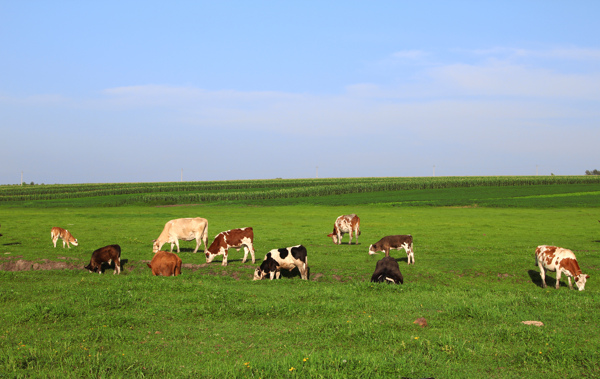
[474, 282]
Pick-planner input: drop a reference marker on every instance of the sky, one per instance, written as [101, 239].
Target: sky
[155, 91]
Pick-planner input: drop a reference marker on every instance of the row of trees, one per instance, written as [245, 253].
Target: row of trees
[595, 172]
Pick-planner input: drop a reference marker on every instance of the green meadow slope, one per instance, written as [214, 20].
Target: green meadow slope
[474, 282]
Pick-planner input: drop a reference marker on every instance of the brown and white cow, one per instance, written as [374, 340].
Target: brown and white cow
[165, 263]
[387, 270]
[187, 229]
[345, 224]
[234, 238]
[108, 254]
[63, 234]
[287, 258]
[397, 242]
[563, 261]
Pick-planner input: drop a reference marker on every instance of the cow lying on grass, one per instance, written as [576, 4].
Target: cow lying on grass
[398, 242]
[287, 258]
[563, 261]
[165, 264]
[108, 254]
[387, 270]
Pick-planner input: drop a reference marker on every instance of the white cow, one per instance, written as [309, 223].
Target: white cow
[187, 229]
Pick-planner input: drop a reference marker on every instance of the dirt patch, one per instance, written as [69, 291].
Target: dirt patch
[44, 264]
[176, 205]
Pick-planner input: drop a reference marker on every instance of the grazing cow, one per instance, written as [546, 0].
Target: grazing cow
[345, 224]
[165, 264]
[398, 242]
[387, 270]
[563, 261]
[236, 238]
[287, 258]
[108, 254]
[187, 229]
[63, 234]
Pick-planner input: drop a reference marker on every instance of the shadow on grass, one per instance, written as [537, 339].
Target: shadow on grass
[18, 243]
[550, 281]
[106, 266]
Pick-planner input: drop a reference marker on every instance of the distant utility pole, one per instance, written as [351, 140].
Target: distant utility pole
[317, 172]
[433, 170]
[21, 177]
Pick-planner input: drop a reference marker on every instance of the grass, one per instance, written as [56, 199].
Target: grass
[474, 282]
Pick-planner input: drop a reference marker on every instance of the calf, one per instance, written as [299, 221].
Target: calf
[345, 224]
[108, 254]
[387, 270]
[287, 258]
[63, 234]
[397, 242]
[236, 238]
[563, 261]
[165, 264]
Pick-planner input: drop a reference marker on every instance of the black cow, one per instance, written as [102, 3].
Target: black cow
[387, 270]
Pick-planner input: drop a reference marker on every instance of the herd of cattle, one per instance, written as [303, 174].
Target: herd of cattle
[548, 258]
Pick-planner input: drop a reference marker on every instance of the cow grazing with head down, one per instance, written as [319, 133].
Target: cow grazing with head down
[234, 238]
[397, 242]
[108, 254]
[345, 224]
[187, 229]
[165, 264]
[63, 234]
[563, 261]
[287, 258]
[387, 270]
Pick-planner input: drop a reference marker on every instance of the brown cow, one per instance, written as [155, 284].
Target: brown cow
[236, 238]
[563, 261]
[165, 264]
[108, 254]
[397, 242]
[63, 234]
[345, 224]
[187, 229]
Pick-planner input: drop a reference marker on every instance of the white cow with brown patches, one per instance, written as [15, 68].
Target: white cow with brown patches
[345, 224]
[234, 238]
[563, 261]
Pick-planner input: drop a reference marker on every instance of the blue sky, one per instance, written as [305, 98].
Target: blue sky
[137, 91]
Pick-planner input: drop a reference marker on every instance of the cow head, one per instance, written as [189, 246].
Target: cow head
[259, 274]
[580, 281]
[372, 250]
[91, 268]
[155, 246]
[210, 257]
[333, 237]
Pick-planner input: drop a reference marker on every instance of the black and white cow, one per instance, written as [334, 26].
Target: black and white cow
[287, 258]
[387, 270]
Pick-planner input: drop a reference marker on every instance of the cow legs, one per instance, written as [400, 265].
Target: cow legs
[117, 263]
[176, 244]
[569, 279]
[558, 278]
[543, 274]
[54, 241]
[339, 236]
[225, 258]
[198, 241]
[350, 241]
[387, 251]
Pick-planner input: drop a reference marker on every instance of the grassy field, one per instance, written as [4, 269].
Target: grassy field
[474, 282]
